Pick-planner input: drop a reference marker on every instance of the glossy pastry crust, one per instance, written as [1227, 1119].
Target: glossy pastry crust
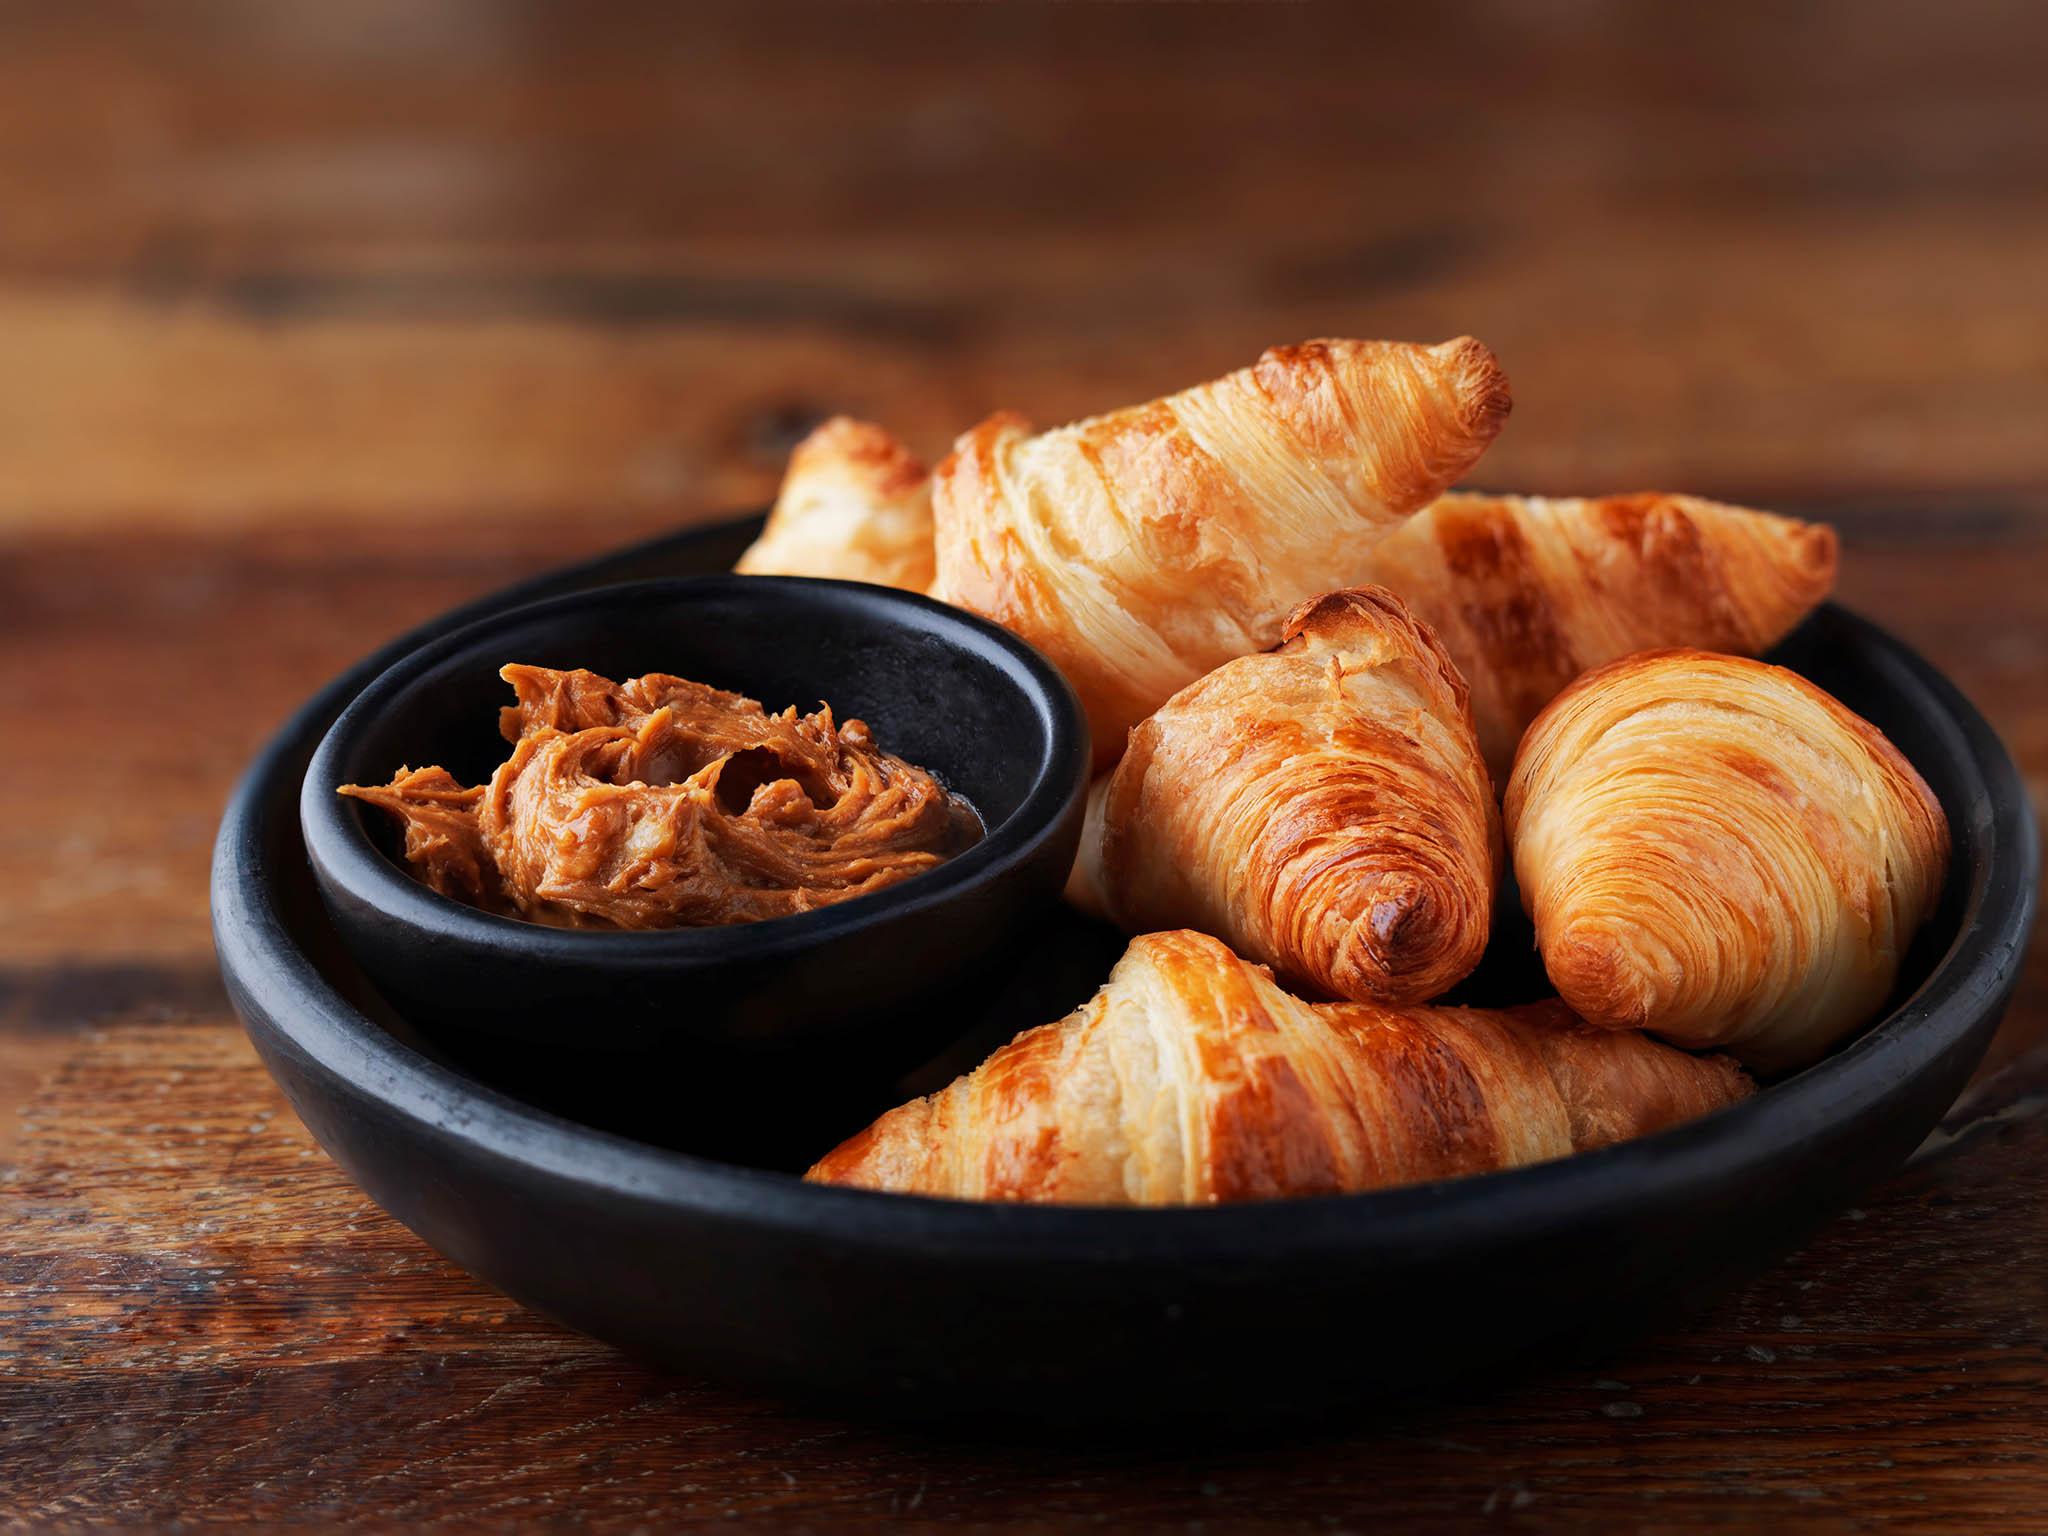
[1144, 548]
[1717, 850]
[1527, 592]
[661, 803]
[855, 504]
[1322, 807]
[1191, 1078]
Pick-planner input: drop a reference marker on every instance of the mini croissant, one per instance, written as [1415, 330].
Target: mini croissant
[855, 504]
[1529, 592]
[1322, 807]
[1144, 548]
[1190, 1078]
[1716, 850]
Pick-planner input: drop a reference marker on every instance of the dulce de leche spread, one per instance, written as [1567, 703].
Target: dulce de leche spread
[661, 803]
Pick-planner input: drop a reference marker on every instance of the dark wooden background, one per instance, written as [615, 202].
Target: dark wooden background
[318, 318]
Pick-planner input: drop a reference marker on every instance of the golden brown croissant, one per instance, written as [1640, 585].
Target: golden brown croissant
[1528, 592]
[1144, 548]
[855, 504]
[1191, 1078]
[1322, 807]
[1716, 850]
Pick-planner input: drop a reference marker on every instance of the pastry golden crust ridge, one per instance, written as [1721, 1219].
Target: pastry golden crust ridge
[1191, 1078]
[1144, 548]
[1322, 807]
[855, 504]
[1528, 591]
[1716, 850]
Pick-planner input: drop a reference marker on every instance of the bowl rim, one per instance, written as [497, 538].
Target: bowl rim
[344, 857]
[291, 1009]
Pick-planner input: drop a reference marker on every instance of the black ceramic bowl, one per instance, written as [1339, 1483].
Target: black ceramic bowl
[960, 697]
[1066, 1315]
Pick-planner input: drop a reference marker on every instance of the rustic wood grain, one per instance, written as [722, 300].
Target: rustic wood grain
[523, 259]
[319, 319]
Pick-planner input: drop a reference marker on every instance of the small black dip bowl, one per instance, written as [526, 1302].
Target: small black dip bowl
[869, 977]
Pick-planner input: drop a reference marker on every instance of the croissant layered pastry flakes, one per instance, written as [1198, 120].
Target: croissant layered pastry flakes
[1144, 548]
[856, 505]
[1323, 807]
[1716, 850]
[1528, 592]
[1191, 1078]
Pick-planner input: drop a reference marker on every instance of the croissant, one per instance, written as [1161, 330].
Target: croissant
[1716, 850]
[855, 504]
[1529, 592]
[1323, 807]
[1190, 1078]
[1144, 548]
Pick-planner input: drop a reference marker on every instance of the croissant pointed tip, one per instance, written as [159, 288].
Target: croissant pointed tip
[1345, 613]
[855, 504]
[1408, 944]
[1479, 382]
[1816, 548]
[1596, 973]
[1401, 926]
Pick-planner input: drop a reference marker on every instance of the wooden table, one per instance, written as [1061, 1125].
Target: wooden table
[319, 319]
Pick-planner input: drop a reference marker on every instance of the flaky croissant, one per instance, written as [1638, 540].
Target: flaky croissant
[1322, 807]
[1144, 548]
[1528, 592]
[1190, 1078]
[1716, 850]
[855, 504]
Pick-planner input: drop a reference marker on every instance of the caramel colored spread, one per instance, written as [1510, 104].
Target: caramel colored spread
[661, 803]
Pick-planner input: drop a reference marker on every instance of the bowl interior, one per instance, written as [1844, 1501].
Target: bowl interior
[936, 688]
